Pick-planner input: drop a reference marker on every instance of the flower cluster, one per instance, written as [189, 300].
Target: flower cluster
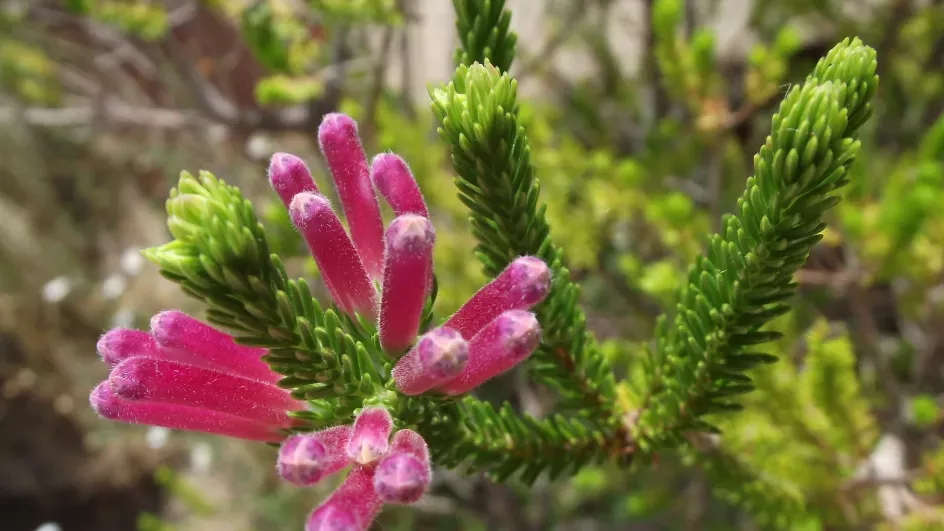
[186, 375]
[384, 470]
[488, 335]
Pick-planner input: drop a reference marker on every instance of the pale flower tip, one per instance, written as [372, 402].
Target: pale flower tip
[532, 277]
[168, 325]
[401, 478]
[385, 162]
[370, 438]
[305, 206]
[411, 442]
[119, 344]
[442, 353]
[332, 517]
[336, 127]
[301, 460]
[103, 401]
[125, 379]
[289, 176]
[410, 233]
[520, 333]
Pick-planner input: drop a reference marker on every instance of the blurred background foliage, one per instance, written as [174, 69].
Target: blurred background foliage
[103, 102]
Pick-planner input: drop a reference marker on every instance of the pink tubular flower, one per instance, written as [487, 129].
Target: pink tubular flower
[342, 150]
[173, 382]
[407, 268]
[505, 342]
[186, 375]
[308, 458]
[522, 285]
[174, 330]
[289, 176]
[393, 179]
[110, 406]
[337, 259]
[352, 507]
[369, 438]
[439, 356]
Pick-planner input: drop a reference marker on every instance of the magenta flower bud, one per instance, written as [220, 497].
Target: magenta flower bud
[498, 347]
[352, 507]
[337, 259]
[369, 440]
[120, 344]
[334, 517]
[404, 475]
[206, 346]
[308, 458]
[173, 416]
[523, 284]
[289, 176]
[173, 382]
[393, 179]
[409, 246]
[342, 150]
[401, 478]
[439, 356]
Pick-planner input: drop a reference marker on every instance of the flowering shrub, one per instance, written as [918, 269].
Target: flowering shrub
[371, 382]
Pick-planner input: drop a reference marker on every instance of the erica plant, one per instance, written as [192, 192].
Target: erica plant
[373, 384]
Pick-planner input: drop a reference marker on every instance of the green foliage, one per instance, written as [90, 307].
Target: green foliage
[702, 352]
[483, 27]
[503, 443]
[384, 11]
[143, 19]
[284, 90]
[806, 416]
[258, 25]
[28, 72]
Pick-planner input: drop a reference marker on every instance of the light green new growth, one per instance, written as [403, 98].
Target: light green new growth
[702, 351]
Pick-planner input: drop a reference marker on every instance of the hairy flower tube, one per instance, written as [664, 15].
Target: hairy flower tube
[351, 507]
[337, 259]
[524, 283]
[407, 269]
[186, 375]
[342, 150]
